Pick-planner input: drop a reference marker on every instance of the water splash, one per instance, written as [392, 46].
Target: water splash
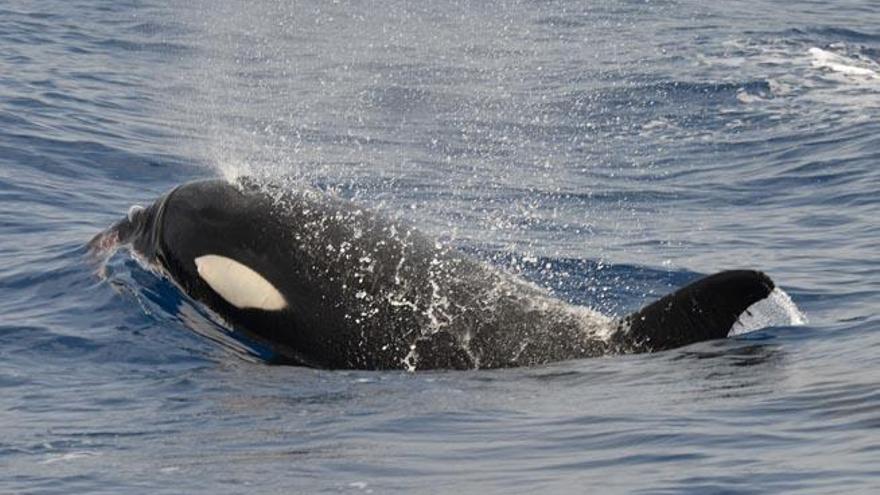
[775, 310]
[848, 66]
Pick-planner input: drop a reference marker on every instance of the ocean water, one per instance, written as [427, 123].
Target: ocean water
[611, 151]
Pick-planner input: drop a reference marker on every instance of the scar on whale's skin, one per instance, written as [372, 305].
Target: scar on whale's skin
[238, 284]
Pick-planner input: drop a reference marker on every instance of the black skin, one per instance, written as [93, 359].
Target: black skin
[365, 292]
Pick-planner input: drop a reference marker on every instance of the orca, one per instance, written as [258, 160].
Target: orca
[328, 283]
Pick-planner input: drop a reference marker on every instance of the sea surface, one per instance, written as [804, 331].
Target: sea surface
[611, 151]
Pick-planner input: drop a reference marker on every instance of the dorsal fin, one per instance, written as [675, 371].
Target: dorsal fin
[704, 310]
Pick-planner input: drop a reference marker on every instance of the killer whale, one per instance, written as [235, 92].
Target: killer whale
[330, 284]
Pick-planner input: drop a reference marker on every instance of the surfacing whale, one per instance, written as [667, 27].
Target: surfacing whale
[327, 283]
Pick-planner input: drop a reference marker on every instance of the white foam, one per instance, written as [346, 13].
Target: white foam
[824, 59]
[777, 309]
[69, 456]
[743, 96]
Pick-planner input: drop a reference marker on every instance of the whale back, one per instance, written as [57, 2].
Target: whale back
[331, 284]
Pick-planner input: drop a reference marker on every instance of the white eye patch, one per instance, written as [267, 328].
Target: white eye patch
[241, 286]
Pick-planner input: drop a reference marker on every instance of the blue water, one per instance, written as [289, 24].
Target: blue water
[609, 150]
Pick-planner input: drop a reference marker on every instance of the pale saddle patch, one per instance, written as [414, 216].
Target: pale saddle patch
[241, 286]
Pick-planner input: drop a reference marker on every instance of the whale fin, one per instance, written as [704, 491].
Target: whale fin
[704, 310]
